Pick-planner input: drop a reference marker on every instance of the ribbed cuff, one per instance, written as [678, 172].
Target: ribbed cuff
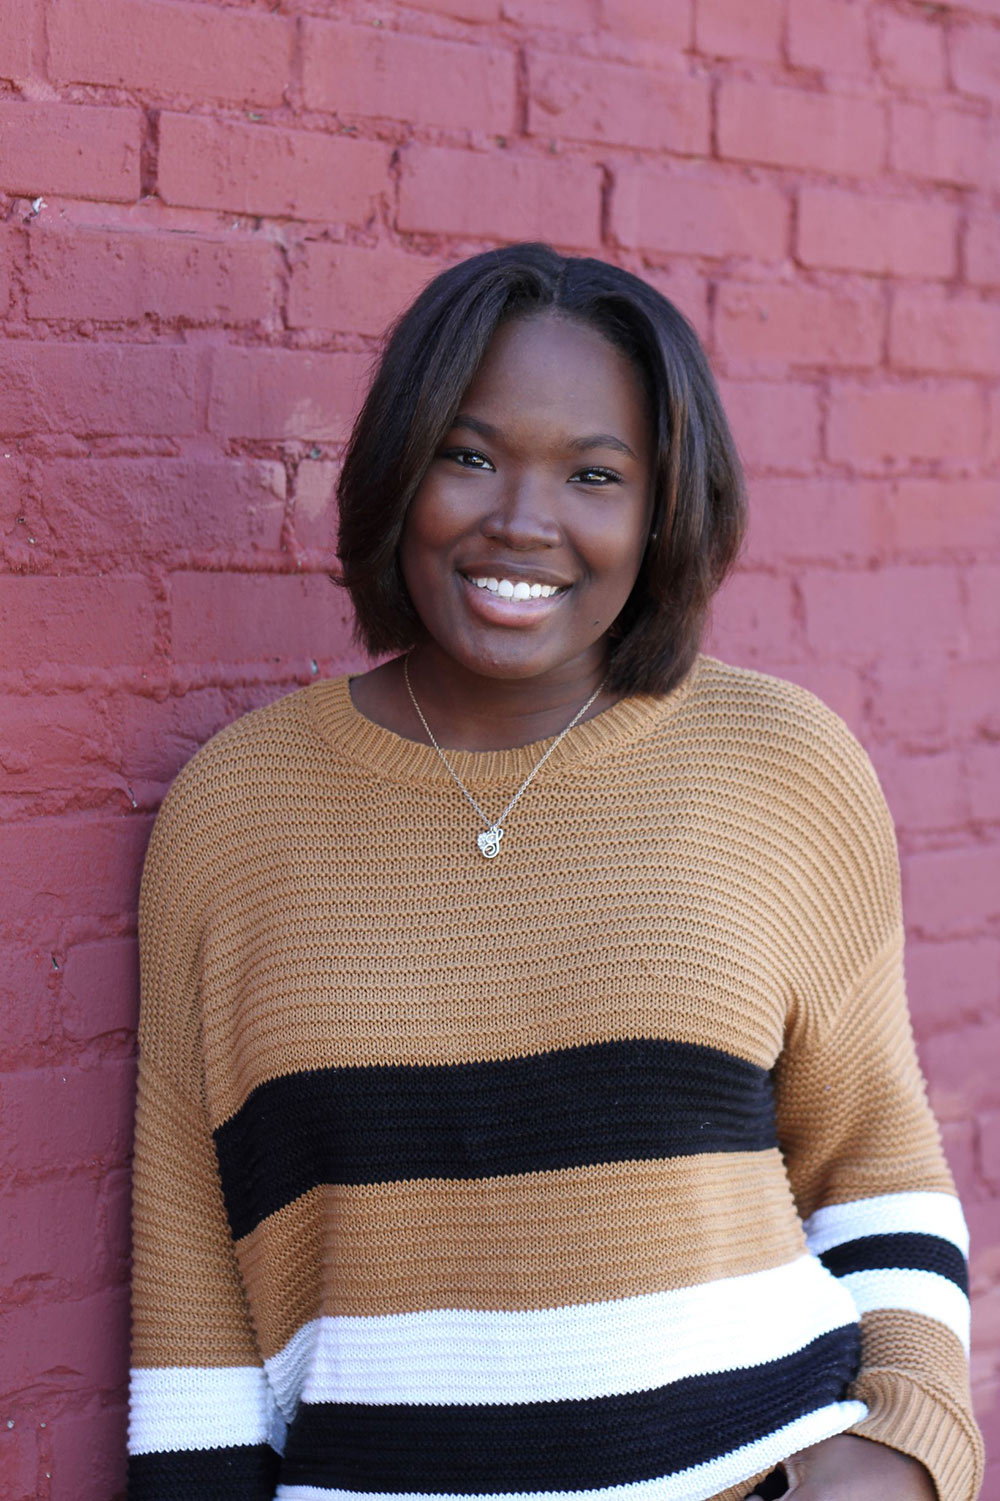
[904, 1415]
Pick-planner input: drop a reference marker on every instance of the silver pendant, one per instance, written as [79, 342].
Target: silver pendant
[489, 841]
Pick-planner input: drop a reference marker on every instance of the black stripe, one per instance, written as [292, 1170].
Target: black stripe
[245, 1472]
[915, 1252]
[564, 1445]
[605, 1102]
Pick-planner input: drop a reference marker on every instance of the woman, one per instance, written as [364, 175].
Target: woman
[527, 1099]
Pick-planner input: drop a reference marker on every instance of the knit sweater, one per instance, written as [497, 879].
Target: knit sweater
[603, 1167]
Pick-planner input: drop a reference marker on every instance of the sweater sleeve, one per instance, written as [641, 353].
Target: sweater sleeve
[864, 1158]
[202, 1422]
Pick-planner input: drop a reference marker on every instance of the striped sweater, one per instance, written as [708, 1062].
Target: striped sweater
[603, 1167]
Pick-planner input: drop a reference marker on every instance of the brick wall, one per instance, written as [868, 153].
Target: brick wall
[207, 213]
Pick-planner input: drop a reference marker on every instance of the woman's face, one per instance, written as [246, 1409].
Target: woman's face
[525, 537]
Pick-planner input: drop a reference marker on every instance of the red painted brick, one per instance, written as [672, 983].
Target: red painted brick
[19, 1460]
[581, 19]
[73, 1346]
[947, 334]
[982, 586]
[79, 622]
[975, 60]
[952, 981]
[88, 1455]
[776, 424]
[51, 741]
[739, 28]
[27, 1003]
[873, 426]
[896, 612]
[94, 389]
[247, 617]
[910, 50]
[259, 169]
[928, 516]
[982, 250]
[17, 33]
[650, 108]
[125, 277]
[462, 10]
[157, 738]
[925, 792]
[831, 35]
[353, 290]
[648, 21]
[78, 150]
[364, 70]
[496, 196]
[314, 516]
[58, 868]
[854, 232]
[940, 143]
[989, 1146]
[48, 1235]
[66, 1116]
[10, 245]
[780, 325]
[983, 764]
[200, 51]
[100, 989]
[717, 216]
[284, 393]
[753, 620]
[120, 508]
[785, 127]
[971, 701]
[958, 891]
[815, 520]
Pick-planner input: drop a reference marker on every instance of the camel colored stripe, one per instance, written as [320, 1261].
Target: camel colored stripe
[540, 1240]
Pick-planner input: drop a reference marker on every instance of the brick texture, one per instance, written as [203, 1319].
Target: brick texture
[209, 213]
[165, 48]
[80, 151]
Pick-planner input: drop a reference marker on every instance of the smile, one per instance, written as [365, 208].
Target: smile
[506, 589]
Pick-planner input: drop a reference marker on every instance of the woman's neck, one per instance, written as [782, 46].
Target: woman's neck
[467, 711]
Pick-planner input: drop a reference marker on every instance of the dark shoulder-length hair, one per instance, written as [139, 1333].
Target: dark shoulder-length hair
[431, 355]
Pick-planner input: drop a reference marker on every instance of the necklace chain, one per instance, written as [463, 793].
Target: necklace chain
[489, 840]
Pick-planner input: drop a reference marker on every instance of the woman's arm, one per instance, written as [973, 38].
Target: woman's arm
[864, 1159]
[202, 1420]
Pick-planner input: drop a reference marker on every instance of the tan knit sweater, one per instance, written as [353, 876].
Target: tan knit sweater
[604, 1163]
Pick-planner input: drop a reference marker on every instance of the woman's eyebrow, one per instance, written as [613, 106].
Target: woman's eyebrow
[576, 445]
[602, 440]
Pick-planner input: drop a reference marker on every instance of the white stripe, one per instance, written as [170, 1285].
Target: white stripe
[695, 1484]
[916, 1292]
[889, 1214]
[201, 1407]
[575, 1352]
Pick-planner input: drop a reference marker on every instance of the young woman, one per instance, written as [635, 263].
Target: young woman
[527, 1102]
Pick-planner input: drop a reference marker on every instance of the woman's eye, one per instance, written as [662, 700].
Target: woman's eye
[598, 476]
[467, 458]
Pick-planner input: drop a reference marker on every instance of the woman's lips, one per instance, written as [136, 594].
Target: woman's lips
[507, 609]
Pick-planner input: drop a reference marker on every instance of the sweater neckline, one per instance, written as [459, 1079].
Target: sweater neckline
[382, 751]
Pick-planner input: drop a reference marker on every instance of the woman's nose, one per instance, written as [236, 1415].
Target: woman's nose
[524, 517]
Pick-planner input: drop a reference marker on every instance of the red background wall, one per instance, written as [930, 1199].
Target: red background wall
[207, 213]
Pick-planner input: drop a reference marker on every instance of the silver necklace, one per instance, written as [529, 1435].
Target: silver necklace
[489, 840]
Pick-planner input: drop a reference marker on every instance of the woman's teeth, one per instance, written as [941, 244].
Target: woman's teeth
[520, 590]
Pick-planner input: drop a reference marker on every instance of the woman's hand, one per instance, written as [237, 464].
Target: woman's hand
[850, 1468]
